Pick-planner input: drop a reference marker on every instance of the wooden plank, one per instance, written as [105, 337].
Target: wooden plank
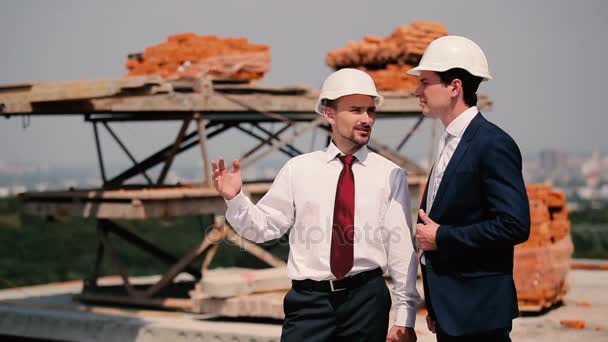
[168, 277]
[230, 282]
[269, 305]
[128, 210]
[86, 89]
[151, 94]
[142, 204]
[144, 193]
[392, 107]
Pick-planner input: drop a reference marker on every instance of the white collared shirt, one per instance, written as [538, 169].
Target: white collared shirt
[455, 130]
[301, 201]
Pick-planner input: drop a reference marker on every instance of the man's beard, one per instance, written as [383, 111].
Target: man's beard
[359, 140]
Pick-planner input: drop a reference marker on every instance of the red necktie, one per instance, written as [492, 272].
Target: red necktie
[341, 256]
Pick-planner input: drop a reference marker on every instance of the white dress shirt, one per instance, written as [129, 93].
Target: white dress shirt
[454, 133]
[301, 201]
[455, 130]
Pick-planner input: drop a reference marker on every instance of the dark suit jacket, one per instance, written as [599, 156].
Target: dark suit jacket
[482, 209]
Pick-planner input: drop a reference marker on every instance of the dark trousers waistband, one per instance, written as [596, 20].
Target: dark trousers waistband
[337, 285]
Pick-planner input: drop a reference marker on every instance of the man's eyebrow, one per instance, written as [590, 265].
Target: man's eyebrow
[360, 107]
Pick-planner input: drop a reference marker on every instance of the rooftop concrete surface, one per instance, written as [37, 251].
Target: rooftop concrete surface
[48, 311]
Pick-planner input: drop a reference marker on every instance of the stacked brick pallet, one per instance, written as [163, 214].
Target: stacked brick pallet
[542, 263]
[191, 55]
[387, 59]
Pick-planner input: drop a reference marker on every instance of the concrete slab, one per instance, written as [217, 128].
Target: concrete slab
[587, 286]
[48, 311]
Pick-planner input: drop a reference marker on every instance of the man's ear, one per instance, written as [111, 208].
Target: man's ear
[456, 87]
[329, 114]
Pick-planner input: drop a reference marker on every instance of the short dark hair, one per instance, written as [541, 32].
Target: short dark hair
[470, 83]
[330, 103]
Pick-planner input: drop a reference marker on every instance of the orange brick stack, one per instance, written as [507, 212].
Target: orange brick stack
[542, 263]
[191, 55]
[387, 59]
[394, 77]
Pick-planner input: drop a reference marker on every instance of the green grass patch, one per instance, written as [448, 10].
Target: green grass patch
[590, 240]
[10, 221]
[36, 251]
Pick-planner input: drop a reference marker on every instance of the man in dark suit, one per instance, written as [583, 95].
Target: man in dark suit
[475, 207]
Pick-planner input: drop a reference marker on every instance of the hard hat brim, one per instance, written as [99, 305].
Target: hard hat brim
[378, 100]
[416, 72]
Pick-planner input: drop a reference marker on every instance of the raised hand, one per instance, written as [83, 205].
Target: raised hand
[228, 184]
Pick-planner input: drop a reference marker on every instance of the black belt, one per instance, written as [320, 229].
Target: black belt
[337, 285]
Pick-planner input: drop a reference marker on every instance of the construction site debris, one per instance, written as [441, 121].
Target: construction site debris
[584, 303]
[387, 59]
[223, 283]
[188, 55]
[269, 305]
[573, 323]
[589, 265]
[542, 263]
[82, 89]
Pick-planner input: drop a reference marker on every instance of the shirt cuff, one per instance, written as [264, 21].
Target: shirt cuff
[240, 201]
[405, 316]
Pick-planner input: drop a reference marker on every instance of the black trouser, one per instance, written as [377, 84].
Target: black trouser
[497, 335]
[356, 314]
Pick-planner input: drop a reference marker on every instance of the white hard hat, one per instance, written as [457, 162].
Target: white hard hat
[450, 52]
[347, 81]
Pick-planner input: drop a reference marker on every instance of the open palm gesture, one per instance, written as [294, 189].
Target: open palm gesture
[228, 184]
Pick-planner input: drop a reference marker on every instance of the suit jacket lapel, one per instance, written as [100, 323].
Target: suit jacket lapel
[425, 194]
[468, 135]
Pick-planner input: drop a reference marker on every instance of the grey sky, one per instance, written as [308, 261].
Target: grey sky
[548, 59]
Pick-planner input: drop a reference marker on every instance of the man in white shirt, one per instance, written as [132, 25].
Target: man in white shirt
[347, 212]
